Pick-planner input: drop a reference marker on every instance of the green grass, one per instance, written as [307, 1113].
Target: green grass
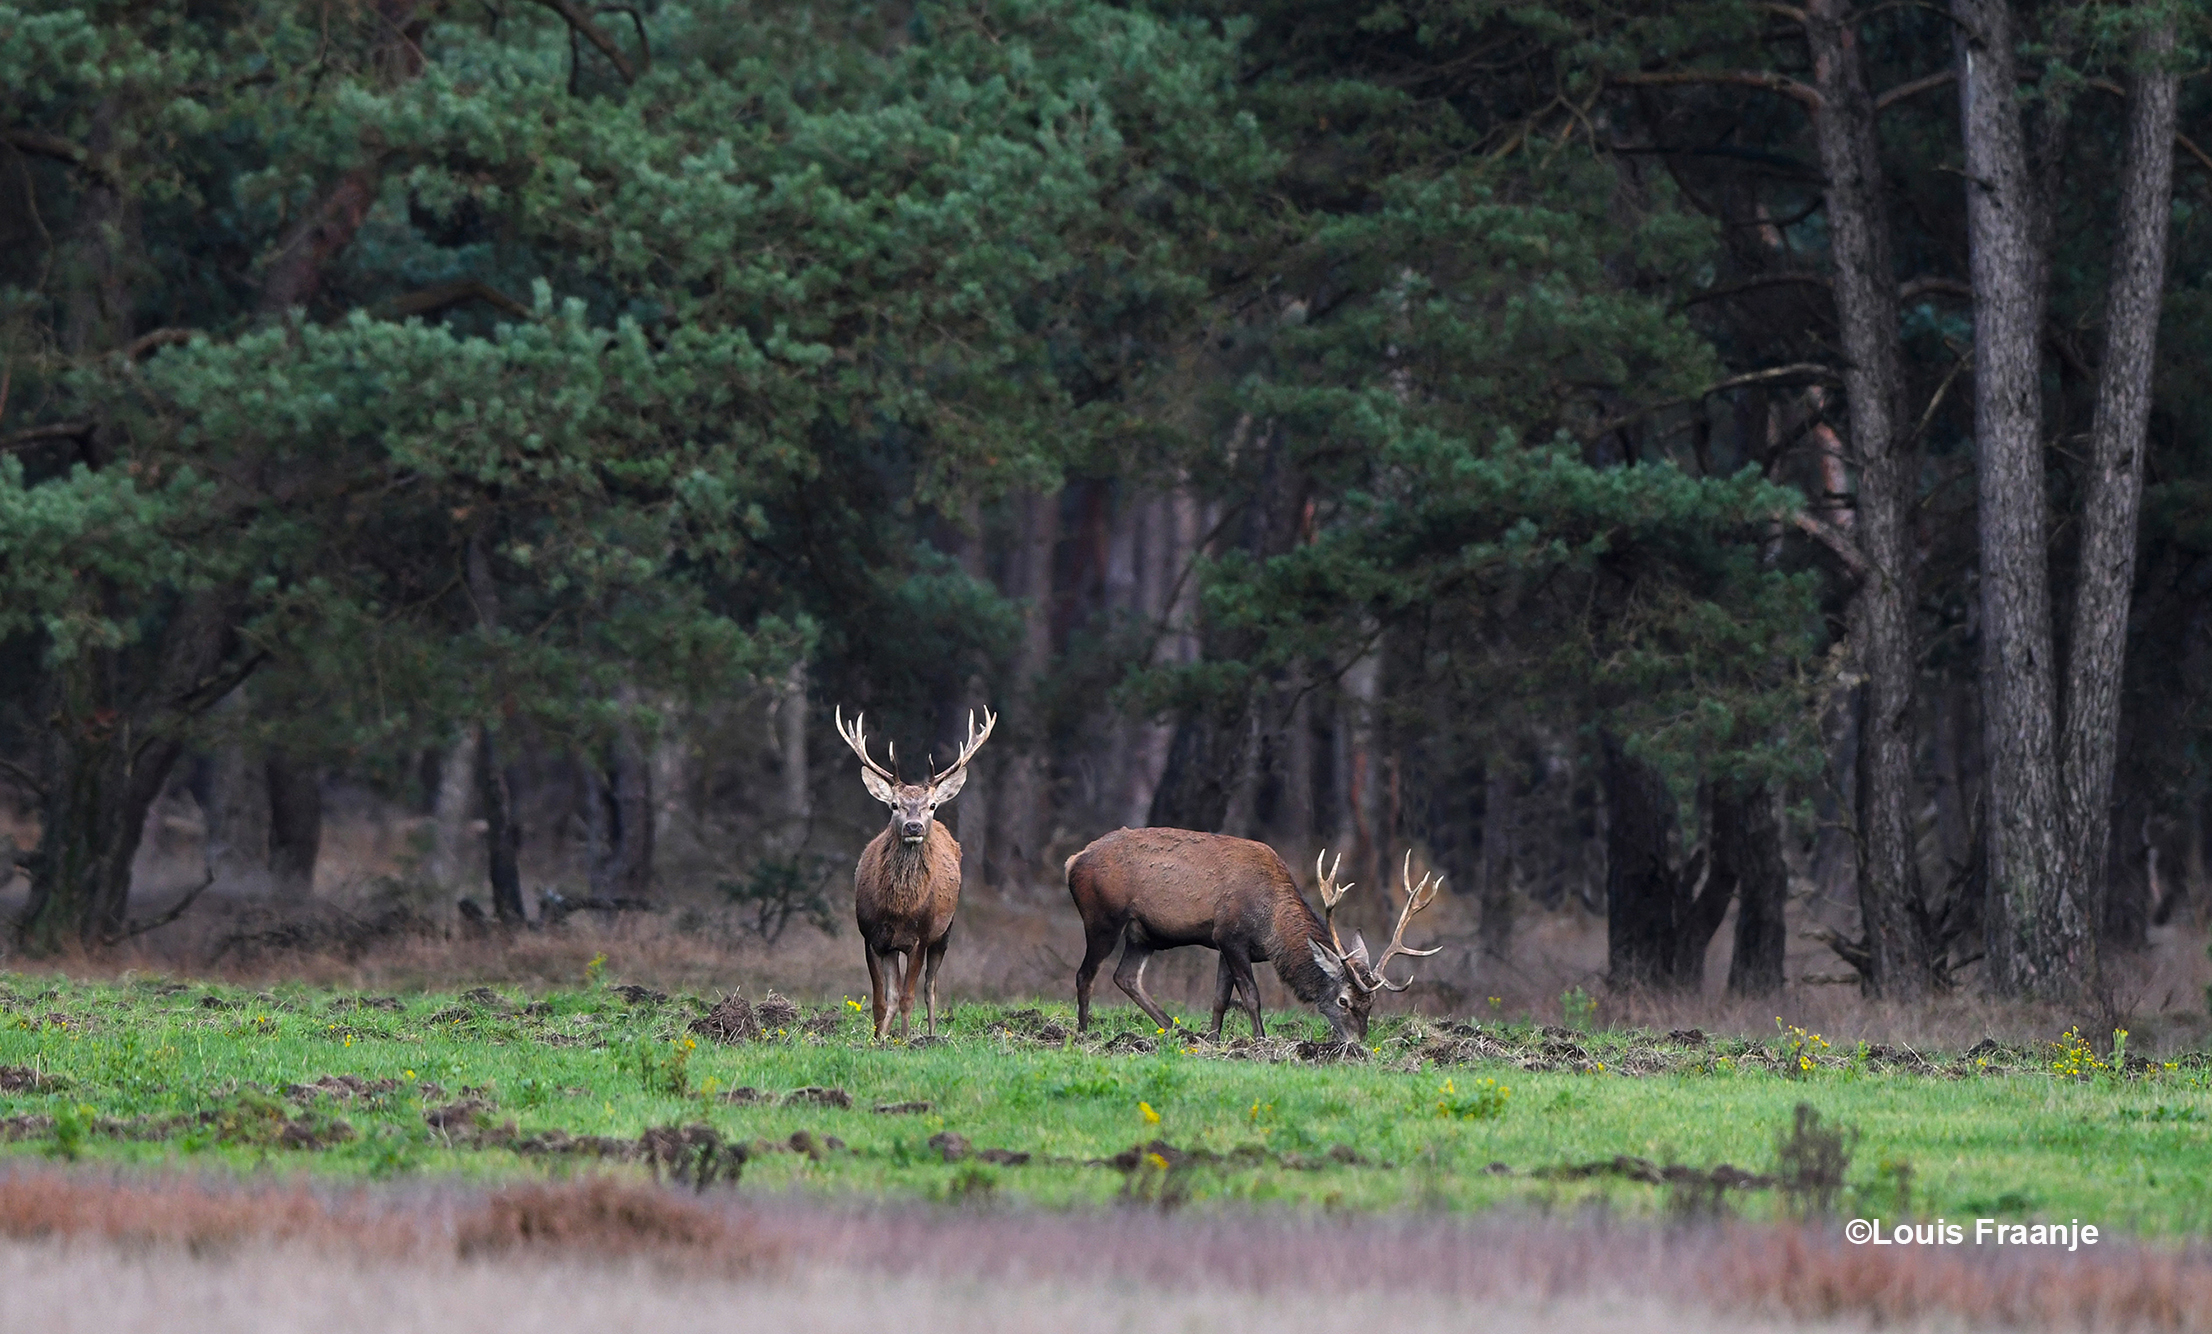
[151, 1073]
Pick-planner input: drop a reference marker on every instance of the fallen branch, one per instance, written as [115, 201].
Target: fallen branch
[176, 911]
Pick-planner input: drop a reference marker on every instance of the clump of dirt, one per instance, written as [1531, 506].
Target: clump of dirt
[820, 1097]
[730, 1022]
[775, 1011]
[902, 1108]
[637, 995]
[345, 1088]
[23, 1079]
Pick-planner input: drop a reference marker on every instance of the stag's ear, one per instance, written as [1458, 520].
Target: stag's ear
[1330, 964]
[1358, 953]
[950, 788]
[878, 788]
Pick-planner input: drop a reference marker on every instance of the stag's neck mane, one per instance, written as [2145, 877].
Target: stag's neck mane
[906, 866]
[1293, 957]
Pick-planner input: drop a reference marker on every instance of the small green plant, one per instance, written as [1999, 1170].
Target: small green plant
[1579, 1007]
[972, 1184]
[73, 1125]
[665, 1067]
[1482, 1100]
[779, 889]
[595, 972]
[1800, 1049]
[2074, 1058]
[2119, 1051]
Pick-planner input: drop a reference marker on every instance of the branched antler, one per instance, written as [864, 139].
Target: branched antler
[1331, 893]
[856, 736]
[1417, 897]
[969, 747]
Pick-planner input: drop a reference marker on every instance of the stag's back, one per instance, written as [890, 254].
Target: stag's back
[1186, 886]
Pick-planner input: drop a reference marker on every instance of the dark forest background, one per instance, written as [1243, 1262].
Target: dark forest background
[1654, 459]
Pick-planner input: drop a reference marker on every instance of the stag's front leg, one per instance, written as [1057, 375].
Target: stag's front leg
[914, 961]
[875, 985]
[929, 980]
[1225, 984]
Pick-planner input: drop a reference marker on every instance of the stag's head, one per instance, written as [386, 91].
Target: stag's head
[914, 805]
[1353, 981]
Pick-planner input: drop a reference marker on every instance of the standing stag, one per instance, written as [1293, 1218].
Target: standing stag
[907, 885]
[1156, 889]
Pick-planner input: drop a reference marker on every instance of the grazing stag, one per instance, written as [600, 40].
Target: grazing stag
[1155, 889]
[908, 882]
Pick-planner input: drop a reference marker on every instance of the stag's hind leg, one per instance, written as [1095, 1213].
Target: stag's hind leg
[1129, 976]
[1098, 942]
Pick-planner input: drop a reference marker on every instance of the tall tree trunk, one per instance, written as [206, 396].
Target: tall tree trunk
[502, 830]
[1022, 803]
[2040, 937]
[107, 759]
[1496, 856]
[2104, 588]
[1658, 919]
[494, 783]
[1865, 278]
[620, 819]
[449, 816]
[797, 794]
[971, 814]
[1747, 855]
[295, 824]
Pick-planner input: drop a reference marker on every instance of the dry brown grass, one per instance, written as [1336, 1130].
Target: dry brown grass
[427, 1249]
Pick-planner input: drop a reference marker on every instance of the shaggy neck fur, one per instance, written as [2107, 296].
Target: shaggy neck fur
[906, 865]
[1294, 958]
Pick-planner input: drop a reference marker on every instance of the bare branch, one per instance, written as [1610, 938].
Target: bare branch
[1830, 537]
[175, 911]
[40, 434]
[1914, 289]
[1889, 97]
[431, 300]
[579, 22]
[44, 145]
[1742, 78]
[24, 776]
[146, 343]
[1801, 370]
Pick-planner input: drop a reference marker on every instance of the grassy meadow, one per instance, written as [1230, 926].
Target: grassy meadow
[1007, 1104]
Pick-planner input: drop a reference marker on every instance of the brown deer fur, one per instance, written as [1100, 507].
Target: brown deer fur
[904, 896]
[906, 886]
[1156, 889]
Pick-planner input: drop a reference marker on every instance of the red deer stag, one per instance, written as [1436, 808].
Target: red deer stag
[907, 885]
[1155, 889]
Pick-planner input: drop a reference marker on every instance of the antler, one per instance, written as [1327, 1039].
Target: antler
[1331, 893]
[969, 747]
[856, 737]
[1417, 897]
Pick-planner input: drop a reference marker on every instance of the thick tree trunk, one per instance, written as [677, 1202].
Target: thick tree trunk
[1022, 803]
[449, 816]
[295, 824]
[502, 830]
[1747, 855]
[1658, 919]
[620, 818]
[2104, 589]
[1496, 865]
[107, 760]
[2041, 941]
[1874, 385]
[797, 803]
